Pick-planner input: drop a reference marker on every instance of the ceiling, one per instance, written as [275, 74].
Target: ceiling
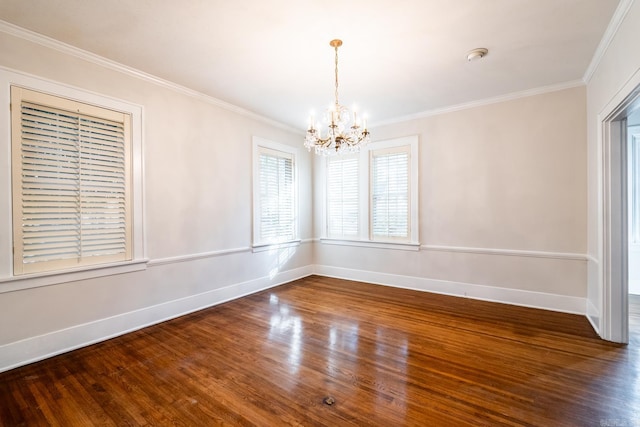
[400, 58]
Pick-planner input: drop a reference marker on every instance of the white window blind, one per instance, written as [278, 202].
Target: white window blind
[342, 197]
[276, 196]
[390, 193]
[70, 183]
[372, 196]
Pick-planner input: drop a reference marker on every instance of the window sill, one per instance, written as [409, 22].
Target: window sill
[36, 280]
[401, 246]
[275, 246]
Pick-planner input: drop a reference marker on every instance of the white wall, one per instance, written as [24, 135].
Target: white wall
[197, 179]
[618, 66]
[502, 206]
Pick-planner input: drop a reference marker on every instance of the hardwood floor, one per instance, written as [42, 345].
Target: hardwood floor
[389, 357]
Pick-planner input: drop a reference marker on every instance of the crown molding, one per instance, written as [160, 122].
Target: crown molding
[31, 36]
[607, 38]
[482, 102]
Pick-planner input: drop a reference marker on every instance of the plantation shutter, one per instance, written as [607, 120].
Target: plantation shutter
[390, 193]
[71, 183]
[342, 197]
[276, 201]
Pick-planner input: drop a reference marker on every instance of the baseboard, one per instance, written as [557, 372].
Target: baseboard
[32, 349]
[545, 301]
[593, 315]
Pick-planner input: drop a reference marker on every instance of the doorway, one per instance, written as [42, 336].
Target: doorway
[633, 154]
[618, 189]
[633, 209]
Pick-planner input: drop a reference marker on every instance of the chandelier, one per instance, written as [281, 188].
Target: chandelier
[345, 133]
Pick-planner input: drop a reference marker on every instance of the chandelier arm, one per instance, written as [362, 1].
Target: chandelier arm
[348, 139]
[363, 136]
[324, 142]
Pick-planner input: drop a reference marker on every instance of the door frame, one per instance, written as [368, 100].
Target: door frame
[613, 247]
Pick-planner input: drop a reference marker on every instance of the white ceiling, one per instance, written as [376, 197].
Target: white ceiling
[272, 57]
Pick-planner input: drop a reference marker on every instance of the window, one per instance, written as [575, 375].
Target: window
[342, 197]
[71, 183]
[390, 193]
[274, 195]
[371, 197]
[71, 205]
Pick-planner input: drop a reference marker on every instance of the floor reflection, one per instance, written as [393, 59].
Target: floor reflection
[285, 325]
[394, 356]
[359, 357]
[344, 337]
[381, 348]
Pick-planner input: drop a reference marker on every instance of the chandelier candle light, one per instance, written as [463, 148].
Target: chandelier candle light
[340, 138]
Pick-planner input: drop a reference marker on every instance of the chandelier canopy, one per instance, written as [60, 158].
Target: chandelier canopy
[345, 132]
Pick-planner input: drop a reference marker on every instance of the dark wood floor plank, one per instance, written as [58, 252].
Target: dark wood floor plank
[389, 357]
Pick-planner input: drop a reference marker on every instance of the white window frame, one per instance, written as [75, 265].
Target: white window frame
[364, 237]
[9, 281]
[264, 145]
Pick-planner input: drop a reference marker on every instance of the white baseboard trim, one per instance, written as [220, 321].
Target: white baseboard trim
[32, 349]
[545, 301]
[593, 315]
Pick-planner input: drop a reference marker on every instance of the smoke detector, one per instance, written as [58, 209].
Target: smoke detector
[477, 54]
